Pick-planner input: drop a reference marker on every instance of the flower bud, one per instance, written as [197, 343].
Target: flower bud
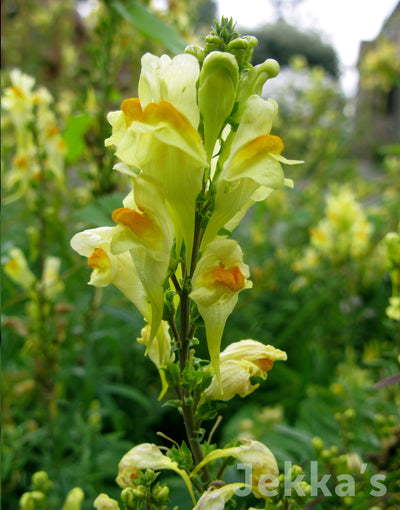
[128, 497]
[41, 482]
[140, 493]
[74, 499]
[217, 91]
[196, 51]
[34, 500]
[252, 83]
[317, 443]
[160, 494]
[104, 502]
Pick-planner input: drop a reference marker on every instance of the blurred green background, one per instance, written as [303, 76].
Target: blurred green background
[77, 391]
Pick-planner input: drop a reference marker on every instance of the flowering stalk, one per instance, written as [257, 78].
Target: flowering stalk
[196, 144]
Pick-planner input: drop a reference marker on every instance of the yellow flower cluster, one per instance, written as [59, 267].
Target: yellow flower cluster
[343, 234]
[39, 149]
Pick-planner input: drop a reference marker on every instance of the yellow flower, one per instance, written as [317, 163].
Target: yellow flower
[157, 135]
[51, 282]
[17, 269]
[219, 276]
[215, 498]
[239, 362]
[145, 229]
[253, 453]
[18, 98]
[251, 165]
[118, 270]
[147, 456]
[104, 502]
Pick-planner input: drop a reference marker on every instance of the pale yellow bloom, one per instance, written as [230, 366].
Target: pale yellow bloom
[219, 276]
[17, 269]
[51, 282]
[147, 456]
[118, 270]
[145, 229]
[215, 498]
[251, 165]
[239, 362]
[253, 453]
[18, 99]
[157, 134]
[104, 502]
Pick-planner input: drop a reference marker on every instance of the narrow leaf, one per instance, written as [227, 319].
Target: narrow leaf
[149, 25]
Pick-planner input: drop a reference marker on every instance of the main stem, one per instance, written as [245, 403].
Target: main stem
[187, 410]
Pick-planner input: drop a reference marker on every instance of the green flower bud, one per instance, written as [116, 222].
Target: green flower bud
[213, 43]
[128, 497]
[74, 499]
[253, 81]
[34, 500]
[140, 493]
[296, 471]
[306, 488]
[160, 494]
[41, 482]
[349, 414]
[217, 91]
[317, 443]
[196, 51]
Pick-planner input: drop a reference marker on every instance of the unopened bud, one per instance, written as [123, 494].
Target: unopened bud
[41, 482]
[160, 494]
[217, 91]
[128, 498]
[196, 51]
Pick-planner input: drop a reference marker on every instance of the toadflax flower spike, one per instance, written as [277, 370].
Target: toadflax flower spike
[219, 276]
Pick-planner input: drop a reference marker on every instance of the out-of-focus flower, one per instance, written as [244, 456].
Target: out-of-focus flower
[17, 269]
[104, 502]
[18, 99]
[393, 310]
[215, 498]
[219, 276]
[345, 231]
[51, 282]
[147, 456]
[74, 499]
[239, 362]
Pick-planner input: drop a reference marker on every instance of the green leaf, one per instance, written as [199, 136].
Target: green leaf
[73, 135]
[128, 392]
[149, 25]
